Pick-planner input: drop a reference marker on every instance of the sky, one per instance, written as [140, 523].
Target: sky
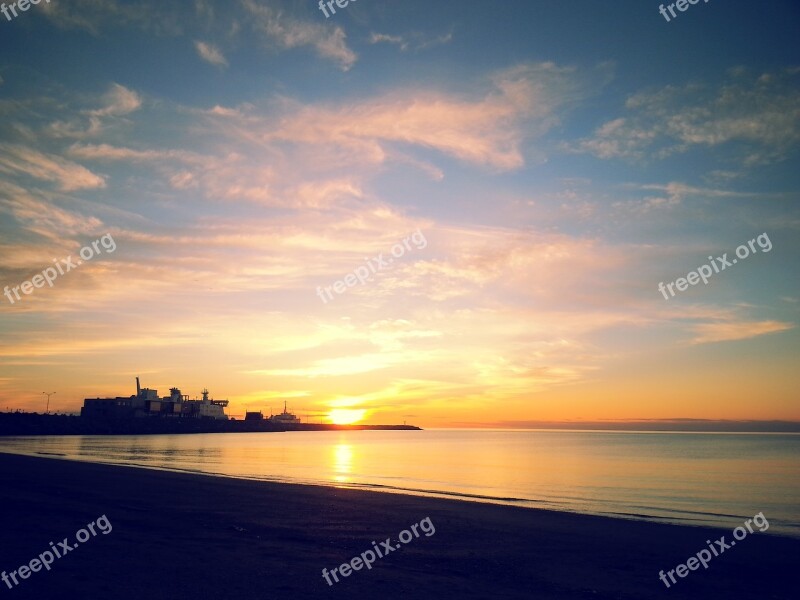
[451, 214]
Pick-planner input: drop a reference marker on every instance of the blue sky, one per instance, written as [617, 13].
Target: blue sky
[560, 159]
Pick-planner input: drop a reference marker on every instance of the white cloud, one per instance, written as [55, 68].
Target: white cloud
[119, 101]
[210, 54]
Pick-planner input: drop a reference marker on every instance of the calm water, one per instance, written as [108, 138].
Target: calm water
[717, 479]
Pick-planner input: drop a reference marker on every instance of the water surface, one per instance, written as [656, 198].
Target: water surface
[701, 478]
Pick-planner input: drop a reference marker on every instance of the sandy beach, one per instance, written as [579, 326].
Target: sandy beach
[183, 535]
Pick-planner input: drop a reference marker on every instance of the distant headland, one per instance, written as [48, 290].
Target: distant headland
[12, 423]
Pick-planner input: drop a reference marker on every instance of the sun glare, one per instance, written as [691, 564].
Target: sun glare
[345, 416]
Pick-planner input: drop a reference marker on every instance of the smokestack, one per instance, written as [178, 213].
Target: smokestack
[138, 389]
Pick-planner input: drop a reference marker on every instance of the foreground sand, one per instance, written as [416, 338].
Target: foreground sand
[187, 536]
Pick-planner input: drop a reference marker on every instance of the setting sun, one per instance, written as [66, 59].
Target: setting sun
[345, 416]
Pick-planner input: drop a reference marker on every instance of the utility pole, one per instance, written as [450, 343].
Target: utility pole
[48, 394]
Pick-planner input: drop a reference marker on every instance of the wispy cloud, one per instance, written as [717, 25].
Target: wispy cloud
[68, 176]
[107, 152]
[210, 53]
[119, 101]
[115, 105]
[33, 212]
[382, 38]
[662, 197]
[414, 40]
[523, 101]
[756, 114]
[726, 331]
[289, 32]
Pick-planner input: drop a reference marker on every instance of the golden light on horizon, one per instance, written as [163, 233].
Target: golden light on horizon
[346, 416]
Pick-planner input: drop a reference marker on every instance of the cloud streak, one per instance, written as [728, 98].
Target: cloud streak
[66, 175]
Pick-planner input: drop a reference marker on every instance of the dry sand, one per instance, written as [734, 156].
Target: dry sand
[179, 536]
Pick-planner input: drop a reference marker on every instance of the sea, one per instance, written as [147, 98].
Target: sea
[716, 479]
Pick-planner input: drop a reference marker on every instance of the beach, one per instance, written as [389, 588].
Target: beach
[181, 535]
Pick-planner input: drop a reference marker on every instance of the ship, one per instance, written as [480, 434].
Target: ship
[146, 403]
[285, 418]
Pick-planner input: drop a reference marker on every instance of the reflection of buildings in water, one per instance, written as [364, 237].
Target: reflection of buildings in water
[62, 445]
[342, 462]
[165, 450]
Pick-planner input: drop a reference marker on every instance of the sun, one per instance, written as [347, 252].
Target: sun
[346, 416]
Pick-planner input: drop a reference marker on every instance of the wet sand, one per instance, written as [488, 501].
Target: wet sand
[179, 536]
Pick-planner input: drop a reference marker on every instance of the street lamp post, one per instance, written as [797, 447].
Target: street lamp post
[48, 394]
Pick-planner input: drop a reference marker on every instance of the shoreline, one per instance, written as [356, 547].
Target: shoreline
[656, 514]
[179, 534]
[520, 503]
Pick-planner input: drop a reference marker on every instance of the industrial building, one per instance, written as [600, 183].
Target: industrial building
[146, 403]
